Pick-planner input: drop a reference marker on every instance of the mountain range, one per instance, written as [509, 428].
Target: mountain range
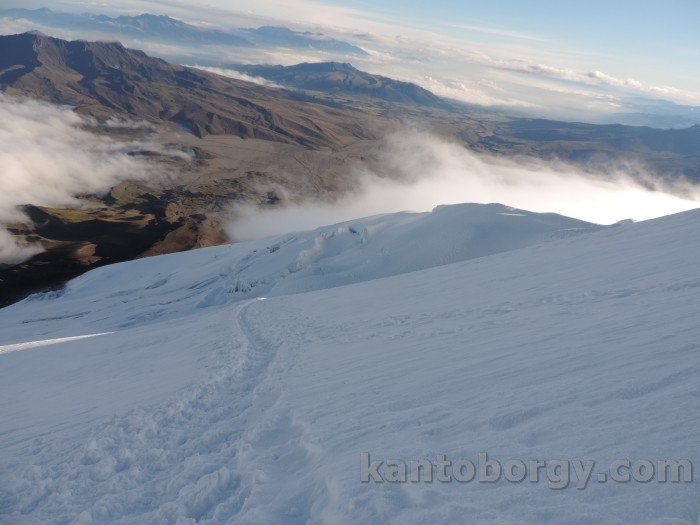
[166, 29]
[343, 78]
[106, 78]
[304, 142]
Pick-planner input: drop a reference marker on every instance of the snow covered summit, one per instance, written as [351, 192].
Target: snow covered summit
[241, 383]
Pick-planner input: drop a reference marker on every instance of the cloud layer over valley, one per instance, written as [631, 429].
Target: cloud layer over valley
[48, 156]
[417, 171]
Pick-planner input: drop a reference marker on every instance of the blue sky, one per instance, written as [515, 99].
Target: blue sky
[649, 40]
[643, 39]
[657, 42]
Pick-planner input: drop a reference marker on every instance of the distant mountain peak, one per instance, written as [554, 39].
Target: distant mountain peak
[326, 67]
[165, 28]
[343, 77]
[271, 28]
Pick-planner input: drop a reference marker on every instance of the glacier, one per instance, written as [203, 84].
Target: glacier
[241, 383]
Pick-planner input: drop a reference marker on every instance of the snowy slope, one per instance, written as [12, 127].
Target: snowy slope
[524, 335]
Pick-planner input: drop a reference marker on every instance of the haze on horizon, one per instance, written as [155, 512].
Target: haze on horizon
[599, 63]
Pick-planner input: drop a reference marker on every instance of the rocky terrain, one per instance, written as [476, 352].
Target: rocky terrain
[104, 79]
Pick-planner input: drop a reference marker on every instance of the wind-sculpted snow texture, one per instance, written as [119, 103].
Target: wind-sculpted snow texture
[240, 384]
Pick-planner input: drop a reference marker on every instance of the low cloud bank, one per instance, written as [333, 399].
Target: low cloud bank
[48, 157]
[417, 171]
[13, 250]
[232, 73]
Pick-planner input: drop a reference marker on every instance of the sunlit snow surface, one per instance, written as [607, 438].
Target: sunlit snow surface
[523, 335]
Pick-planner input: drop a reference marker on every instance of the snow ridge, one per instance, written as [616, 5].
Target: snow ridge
[239, 384]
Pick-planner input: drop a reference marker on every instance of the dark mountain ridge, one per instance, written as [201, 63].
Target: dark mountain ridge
[684, 141]
[343, 78]
[104, 78]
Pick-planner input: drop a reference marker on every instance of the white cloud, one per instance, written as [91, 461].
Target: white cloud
[479, 92]
[232, 73]
[120, 123]
[9, 26]
[15, 26]
[668, 92]
[47, 157]
[14, 250]
[418, 171]
[507, 33]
